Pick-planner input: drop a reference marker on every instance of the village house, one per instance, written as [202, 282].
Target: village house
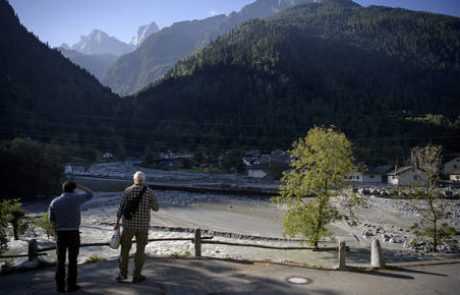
[450, 165]
[258, 171]
[169, 159]
[377, 174]
[454, 175]
[73, 169]
[370, 175]
[108, 157]
[258, 165]
[170, 155]
[406, 176]
[354, 176]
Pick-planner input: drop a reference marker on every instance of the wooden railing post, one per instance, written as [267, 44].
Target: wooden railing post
[342, 255]
[33, 249]
[197, 242]
[377, 255]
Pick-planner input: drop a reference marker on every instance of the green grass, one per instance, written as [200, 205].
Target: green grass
[95, 259]
[116, 187]
[7, 266]
[176, 255]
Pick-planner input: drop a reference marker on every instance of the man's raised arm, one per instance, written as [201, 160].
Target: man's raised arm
[88, 193]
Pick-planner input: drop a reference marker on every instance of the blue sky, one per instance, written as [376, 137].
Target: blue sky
[58, 21]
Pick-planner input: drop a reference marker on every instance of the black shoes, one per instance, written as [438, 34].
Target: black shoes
[120, 278]
[138, 279]
[73, 288]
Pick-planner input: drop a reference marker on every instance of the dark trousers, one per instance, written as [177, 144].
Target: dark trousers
[67, 241]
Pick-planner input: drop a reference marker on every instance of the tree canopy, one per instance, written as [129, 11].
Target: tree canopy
[319, 164]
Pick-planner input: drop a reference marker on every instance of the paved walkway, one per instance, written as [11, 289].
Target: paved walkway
[210, 276]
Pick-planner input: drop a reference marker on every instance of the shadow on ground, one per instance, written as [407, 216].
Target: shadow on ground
[164, 276]
[219, 276]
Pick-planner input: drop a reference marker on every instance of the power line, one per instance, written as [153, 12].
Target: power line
[165, 121]
[156, 136]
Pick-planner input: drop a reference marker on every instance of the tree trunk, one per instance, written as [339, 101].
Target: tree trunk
[435, 235]
[320, 221]
[15, 230]
[435, 224]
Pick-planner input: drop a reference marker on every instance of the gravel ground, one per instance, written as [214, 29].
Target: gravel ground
[240, 215]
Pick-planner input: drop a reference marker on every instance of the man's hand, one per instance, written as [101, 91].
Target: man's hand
[52, 226]
[84, 188]
[117, 223]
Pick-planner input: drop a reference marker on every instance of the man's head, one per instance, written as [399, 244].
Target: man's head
[139, 178]
[69, 186]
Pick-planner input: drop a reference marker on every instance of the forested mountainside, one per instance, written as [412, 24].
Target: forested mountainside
[158, 54]
[45, 96]
[95, 64]
[387, 77]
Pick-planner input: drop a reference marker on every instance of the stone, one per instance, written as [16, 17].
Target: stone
[368, 234]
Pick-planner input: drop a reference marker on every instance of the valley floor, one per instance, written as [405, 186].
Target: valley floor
[385, 219]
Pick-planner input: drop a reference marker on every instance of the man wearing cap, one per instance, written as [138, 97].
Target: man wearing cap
[136, 226]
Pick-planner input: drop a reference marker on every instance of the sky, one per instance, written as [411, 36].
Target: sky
[64, 21]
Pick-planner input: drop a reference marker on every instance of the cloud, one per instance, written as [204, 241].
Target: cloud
[213, 12]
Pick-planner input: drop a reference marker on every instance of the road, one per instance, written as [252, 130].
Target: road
[211, 276]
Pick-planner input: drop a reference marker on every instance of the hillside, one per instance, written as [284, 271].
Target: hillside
[387, 77]
[95, 64]
[158, 54]
[45, 96]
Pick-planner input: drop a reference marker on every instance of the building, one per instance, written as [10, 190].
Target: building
[376, 174]
[454, 175]
[257, 171]
[170, 155]
[450, 165]
[370, 174]
[354, 176]
[406, 176]
[73, 169]
[108, 157]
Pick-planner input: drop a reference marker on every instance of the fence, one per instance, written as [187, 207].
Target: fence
[198, 240]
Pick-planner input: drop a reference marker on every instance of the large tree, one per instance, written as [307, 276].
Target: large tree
[30, 169]
[319, 164]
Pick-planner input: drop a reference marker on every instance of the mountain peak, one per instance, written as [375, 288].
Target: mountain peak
[143, 33]
[98, 34]
[99, 42]
[65, 46]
